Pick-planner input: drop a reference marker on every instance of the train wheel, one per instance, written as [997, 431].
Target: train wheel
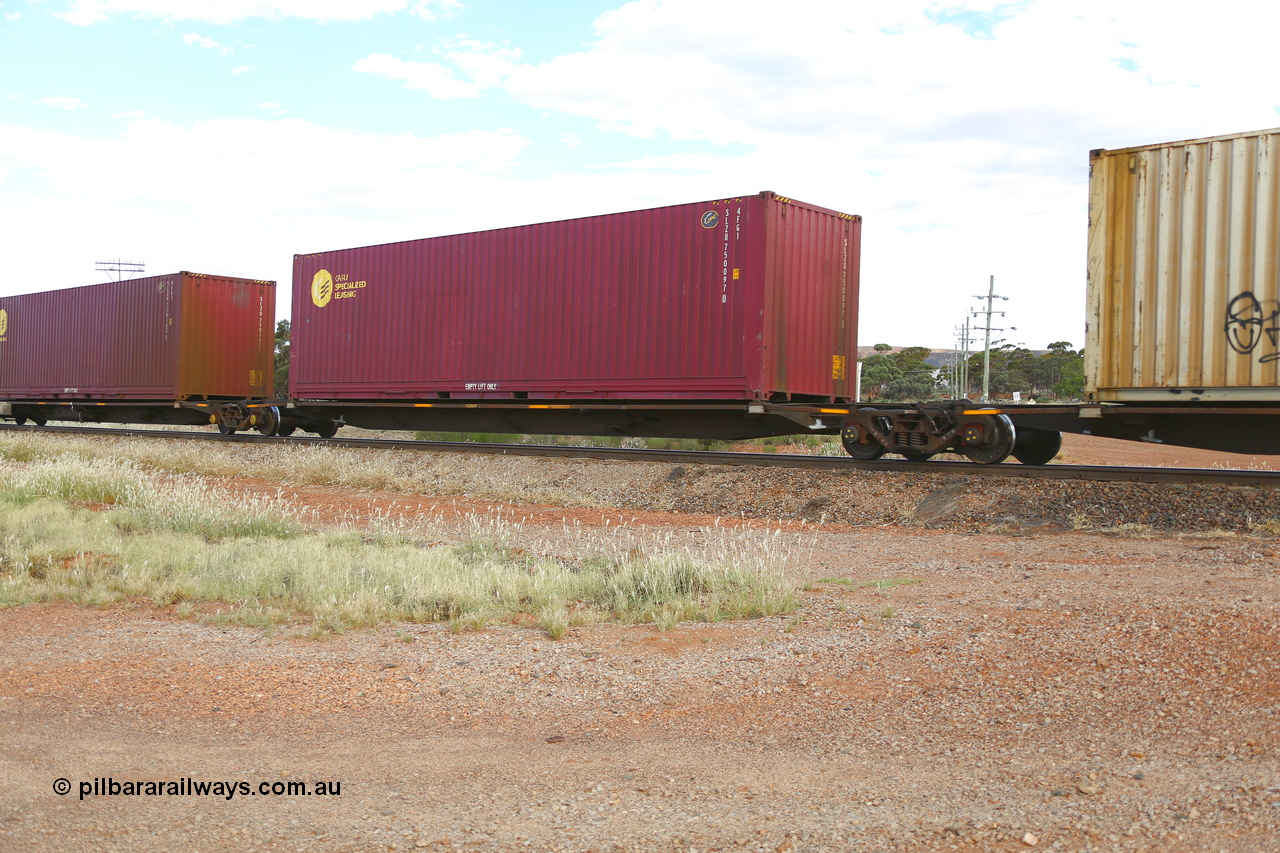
[39, 421]
[327, 429]
[268, 420]
[20, 421]
[862, 452]
[916, 457]
[1037, 446]
[998, 445]
[286, 430]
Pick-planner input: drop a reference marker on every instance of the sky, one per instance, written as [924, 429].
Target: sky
[224, 136]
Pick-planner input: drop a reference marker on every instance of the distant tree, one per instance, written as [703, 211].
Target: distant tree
[912, 358]
[1070, 385]
[910, 387]
[281, 374]
[1011, 369]
[878, 371]
[882, 348]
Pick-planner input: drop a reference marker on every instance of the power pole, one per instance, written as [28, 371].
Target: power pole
[960, 364]
[121, 268]
[988, 329]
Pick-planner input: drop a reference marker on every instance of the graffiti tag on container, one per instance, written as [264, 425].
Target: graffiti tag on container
[1249, 321]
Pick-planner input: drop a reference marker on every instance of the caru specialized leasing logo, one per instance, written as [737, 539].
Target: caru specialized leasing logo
[710, 219]
[4, 322]
[322, 288]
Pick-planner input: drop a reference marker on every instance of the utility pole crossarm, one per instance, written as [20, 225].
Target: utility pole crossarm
[988, 329]
[120, 268]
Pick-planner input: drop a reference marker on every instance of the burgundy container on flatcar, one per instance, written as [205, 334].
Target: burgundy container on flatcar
[167, 337]
[752, 298]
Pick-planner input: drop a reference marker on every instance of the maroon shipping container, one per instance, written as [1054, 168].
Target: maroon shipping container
[167, 337]
[752, 298]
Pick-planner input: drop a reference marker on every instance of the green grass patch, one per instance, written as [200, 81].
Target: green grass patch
[97, 531]
[889, 584]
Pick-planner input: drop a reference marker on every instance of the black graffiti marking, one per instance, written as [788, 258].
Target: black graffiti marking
[1248, 321]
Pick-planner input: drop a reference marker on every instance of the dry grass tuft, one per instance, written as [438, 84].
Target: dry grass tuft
[94, 531]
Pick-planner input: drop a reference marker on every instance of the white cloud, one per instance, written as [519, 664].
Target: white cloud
[430, 77]
[273, 107]
[675, 163]
[961, 130]
[86, 12]
[64, 103]
[486, 65]
[240, 69]
[207, 43]
[239, 196]
[12, 16]
[273, 162]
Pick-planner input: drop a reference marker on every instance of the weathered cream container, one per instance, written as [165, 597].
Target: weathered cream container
[1184, 241]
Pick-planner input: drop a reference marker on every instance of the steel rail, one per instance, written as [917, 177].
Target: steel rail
[1098, 473]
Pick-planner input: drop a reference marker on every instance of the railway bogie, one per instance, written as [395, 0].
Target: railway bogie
[920, 432]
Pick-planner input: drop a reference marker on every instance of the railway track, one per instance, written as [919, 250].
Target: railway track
[1100, 473]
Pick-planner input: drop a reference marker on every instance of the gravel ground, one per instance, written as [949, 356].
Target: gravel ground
[856, 498]
[965, 673]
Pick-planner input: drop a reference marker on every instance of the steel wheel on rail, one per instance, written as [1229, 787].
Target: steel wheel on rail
[39, 421]
[1037, 446]
[326, 429]
[860, 446]
[915, 457]
[268, 420]
[999, 443]
[286, 429]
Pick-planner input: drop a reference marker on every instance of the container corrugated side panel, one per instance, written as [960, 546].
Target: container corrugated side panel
[629, 305]
[1184, 257]
[227, 337]
[812, 293]
[107, 341]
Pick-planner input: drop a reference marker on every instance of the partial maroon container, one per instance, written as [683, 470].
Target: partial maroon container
[750, 298]
[168, 337]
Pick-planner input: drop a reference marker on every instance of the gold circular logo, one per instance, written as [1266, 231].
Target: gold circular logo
[322, 288]
[4, 321]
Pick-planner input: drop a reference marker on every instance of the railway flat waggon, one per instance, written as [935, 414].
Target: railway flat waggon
[183, 348]
[728, 318]
[1183, 337]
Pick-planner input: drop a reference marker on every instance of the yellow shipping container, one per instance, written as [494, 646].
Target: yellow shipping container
[1184, 257]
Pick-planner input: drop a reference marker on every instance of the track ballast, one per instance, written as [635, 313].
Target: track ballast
[1101, 473]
